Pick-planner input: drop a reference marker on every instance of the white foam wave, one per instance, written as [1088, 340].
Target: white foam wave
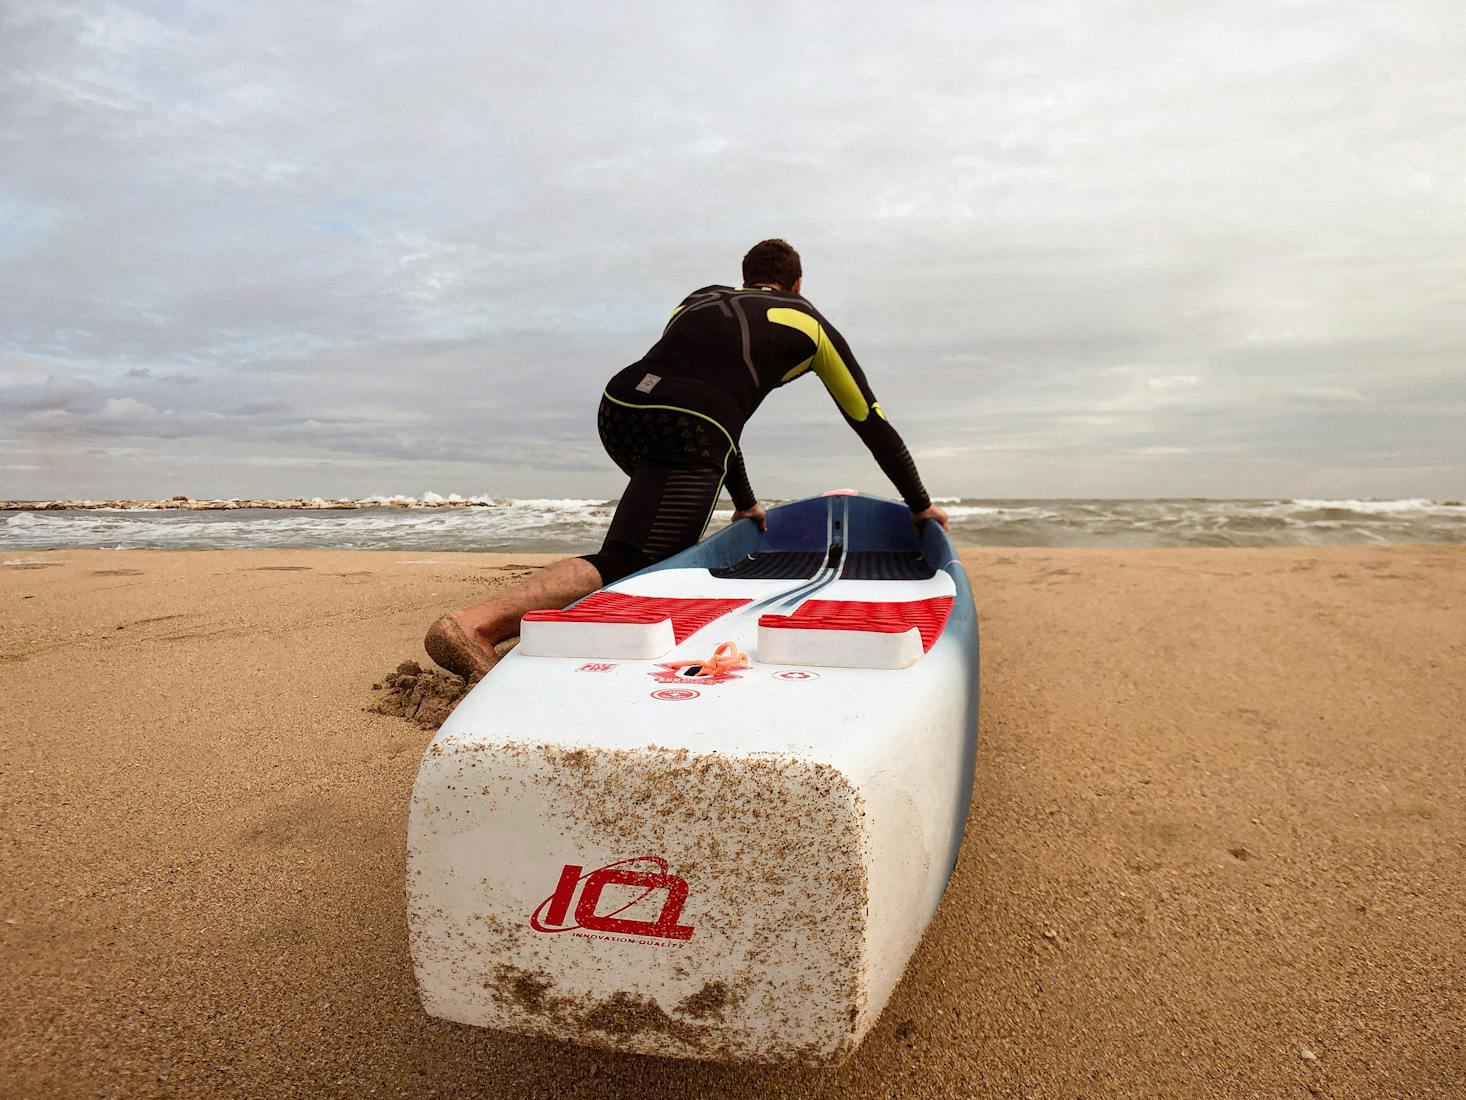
[1376, 507]
[969, 511]
[564, 524]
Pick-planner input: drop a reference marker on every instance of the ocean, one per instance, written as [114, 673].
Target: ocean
[576, 526]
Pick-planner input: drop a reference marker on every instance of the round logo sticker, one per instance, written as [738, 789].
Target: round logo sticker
[796, 674]
[676, 693]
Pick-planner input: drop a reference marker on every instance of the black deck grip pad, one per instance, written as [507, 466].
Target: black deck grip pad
[774, 565]
[886, 565]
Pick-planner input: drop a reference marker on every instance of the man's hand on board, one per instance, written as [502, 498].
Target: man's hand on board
[932, 512]
[755, 513]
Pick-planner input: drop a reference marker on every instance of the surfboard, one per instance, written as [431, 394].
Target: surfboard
[617, 841]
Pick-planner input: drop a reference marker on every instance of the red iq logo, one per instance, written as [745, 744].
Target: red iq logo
[551, 914]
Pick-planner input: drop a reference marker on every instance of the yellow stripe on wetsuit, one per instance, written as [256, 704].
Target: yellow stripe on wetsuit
[827, 365]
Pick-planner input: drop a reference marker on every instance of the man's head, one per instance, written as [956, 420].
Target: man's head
[772, 262]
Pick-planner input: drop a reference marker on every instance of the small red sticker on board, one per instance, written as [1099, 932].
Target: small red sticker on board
[796, 674]
[676, 693]
[596, 666]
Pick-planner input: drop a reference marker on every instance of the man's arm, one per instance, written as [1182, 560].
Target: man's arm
[745, 504]
[837, 369]
[736, 480]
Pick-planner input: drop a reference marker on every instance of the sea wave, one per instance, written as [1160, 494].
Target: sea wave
[1410, 506]
[576, 525]
[549, 525]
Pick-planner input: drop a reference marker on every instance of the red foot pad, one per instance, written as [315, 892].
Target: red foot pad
[687, 615]
[878, 617]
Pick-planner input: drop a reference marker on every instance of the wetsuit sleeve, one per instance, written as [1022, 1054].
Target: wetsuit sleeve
[736, 480]
[842, 376]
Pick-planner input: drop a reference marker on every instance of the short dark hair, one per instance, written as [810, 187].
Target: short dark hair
[772, 261]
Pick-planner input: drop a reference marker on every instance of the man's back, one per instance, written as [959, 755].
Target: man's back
[746, 342]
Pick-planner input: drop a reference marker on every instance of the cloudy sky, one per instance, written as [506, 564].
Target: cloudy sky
[1081, 248]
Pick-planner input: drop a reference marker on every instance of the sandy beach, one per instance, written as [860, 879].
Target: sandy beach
[1215, 849]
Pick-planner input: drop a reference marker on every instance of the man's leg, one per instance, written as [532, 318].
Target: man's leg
[664, 510]
[464, 641]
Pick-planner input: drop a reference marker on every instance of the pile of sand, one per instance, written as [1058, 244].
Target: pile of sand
[420, 696]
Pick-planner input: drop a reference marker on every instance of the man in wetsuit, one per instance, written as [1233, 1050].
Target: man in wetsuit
[672, 422]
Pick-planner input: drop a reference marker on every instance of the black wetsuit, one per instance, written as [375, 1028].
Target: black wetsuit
[672, 421]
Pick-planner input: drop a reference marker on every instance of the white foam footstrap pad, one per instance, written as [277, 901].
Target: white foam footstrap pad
[611, 641]
[789, 645]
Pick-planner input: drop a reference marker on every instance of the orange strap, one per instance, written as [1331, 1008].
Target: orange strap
[724, 659]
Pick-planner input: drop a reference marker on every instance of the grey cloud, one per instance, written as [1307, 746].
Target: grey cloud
[175, 377]
[61, 393]
[319, 249]
[259, 408]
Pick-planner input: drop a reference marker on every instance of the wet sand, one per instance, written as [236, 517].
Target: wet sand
[1217, 843]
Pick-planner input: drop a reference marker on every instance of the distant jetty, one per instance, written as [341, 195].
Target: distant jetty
[189, 504]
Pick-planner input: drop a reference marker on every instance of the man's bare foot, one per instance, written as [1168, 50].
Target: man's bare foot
[464, 641]
[453, 648]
